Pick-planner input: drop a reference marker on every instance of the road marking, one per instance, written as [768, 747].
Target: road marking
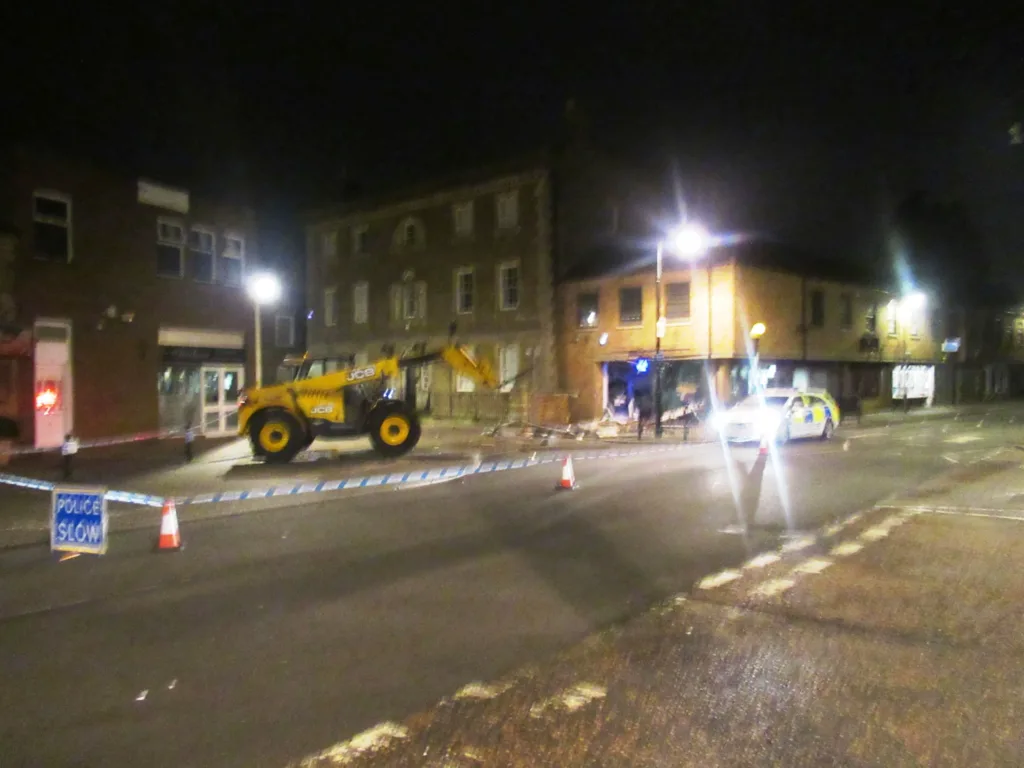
[940, 511]
[963, 438]
[950, 459]
[762, 560]
[142, 695]
[853, 518]
[773, 587]
[877, 533]
[570, 700]
[481, 691]
[831, 530]
[846, 548]
[718, 579]
[814, 565]
[797, 544]
[364, 743]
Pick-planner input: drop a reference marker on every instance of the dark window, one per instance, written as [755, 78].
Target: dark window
[284, 331]
[677, 301]
[871, 319]
[586, 310]
[631, 306]
[229, 263]
[817, 308]
[846, 311]
[170, 247]
[51, 228]
[200, 255]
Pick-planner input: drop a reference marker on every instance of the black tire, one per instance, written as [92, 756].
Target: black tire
[276, 436]
[394, 429]
[828, 431]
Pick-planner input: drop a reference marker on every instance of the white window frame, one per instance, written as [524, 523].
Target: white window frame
[504, 267]
[506, 210]
[358, 232]
[291, 331]
[462, 219]
[504, 375]
[230, 235]
[181, 244]
[460, 272]
[361, 303]
[330, 307]
[329, 244]
[465, 384]
[56, 197]
[206, 230]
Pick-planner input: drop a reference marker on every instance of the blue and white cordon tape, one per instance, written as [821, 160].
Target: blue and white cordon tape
[371, 481]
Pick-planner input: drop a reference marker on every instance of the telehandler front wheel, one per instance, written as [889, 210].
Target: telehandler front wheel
[394, 429]
[276, 436]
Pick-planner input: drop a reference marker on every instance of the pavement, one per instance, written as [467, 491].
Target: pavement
[493, 620]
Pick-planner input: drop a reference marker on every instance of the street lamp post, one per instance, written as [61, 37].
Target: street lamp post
[757, 330]
[263, 288]
[691, 240]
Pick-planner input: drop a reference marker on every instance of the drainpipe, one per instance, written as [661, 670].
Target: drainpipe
[803, 316]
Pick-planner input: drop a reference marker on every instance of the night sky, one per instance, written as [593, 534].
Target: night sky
[808, 123]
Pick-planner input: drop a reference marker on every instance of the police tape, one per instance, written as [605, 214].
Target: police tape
[73, 445]
[324, 486]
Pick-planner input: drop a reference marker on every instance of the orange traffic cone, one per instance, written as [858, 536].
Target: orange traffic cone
[170, 537]
[568, 482]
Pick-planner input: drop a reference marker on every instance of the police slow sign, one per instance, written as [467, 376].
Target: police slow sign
[78, 521]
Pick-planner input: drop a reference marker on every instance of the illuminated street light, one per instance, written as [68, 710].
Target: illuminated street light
[263, 288]
[690, 241]
[757, 330]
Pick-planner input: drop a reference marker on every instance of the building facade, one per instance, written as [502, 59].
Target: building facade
[124, 306]
[855, 339]
[402, 272]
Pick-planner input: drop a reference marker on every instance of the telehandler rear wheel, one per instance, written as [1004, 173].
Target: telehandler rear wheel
[394, 429]
[276, 436]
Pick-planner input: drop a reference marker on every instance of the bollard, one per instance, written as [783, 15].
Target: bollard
[190, 435]
[686, 431]
[68, 449]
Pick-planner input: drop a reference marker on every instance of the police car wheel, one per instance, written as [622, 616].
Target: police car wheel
[828, 431]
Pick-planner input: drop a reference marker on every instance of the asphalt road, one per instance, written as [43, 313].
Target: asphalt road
[278, 633]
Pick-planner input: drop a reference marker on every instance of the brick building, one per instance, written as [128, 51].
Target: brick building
[825, 328]
[121, 303]
[483, 250]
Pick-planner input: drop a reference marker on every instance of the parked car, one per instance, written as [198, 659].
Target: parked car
[779, 414]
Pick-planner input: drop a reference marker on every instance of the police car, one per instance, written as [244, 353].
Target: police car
[780, 414]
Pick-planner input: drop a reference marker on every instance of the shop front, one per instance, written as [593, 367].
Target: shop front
[201, 377]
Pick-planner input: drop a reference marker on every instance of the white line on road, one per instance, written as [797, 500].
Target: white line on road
[718, 579]
[772, 588]
[797, 544]
[814, 565]
[960, 512]
[762, 560]
[478, 690]
[368, 741]
[877, 533]
[831, 530]
[570, 700]
[846, 548]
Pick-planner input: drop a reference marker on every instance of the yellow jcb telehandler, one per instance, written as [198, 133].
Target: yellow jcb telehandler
[283, 419]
